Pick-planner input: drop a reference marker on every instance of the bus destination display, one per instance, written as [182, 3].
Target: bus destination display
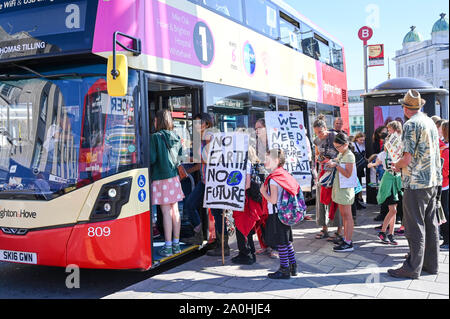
[23, 31]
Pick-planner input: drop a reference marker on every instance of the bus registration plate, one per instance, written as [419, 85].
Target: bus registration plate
[18, 257]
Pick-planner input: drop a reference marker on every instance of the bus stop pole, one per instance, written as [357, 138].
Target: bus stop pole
[223, 235]
[366, 83]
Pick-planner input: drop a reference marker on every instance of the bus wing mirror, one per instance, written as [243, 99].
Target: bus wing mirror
[117, 71]
[117, 75]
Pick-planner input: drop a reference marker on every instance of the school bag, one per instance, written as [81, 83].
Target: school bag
[292, 208]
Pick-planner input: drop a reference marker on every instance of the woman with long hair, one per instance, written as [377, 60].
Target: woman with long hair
[343, 195]
[166, 191]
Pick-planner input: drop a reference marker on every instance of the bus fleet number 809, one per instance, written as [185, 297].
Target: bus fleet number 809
[99, 231]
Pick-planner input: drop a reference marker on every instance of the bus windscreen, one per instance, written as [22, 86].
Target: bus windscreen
[57, 135]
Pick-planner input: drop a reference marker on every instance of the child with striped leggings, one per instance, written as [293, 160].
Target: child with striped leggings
[277, 233]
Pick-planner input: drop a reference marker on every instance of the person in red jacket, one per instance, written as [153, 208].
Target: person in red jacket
[277, 233]
[445, 182]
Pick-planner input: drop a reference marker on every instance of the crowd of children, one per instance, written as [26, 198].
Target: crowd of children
[341, 164]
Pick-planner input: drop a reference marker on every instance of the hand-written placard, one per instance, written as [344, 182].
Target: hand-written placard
[286, 131]
[226, 171]
[394, 147]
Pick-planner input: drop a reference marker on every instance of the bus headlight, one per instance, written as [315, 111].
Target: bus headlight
[107, 207]
[112, 193]
[111, 198]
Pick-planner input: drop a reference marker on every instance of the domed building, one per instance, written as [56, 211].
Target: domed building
[427, 60]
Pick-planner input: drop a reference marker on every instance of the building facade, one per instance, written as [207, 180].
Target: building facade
[356, 111]
[427, 60]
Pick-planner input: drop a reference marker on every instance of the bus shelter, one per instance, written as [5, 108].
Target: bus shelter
[381, 106]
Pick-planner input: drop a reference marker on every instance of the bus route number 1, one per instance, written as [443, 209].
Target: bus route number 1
[99, 231]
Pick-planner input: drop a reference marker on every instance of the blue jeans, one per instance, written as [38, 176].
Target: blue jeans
[217, 213]
[191, 204]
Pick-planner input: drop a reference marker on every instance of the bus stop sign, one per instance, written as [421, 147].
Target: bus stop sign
[365, 33]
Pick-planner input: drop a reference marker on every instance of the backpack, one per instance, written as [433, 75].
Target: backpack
[292, 208]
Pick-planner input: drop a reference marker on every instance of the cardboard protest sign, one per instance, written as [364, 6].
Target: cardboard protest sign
[286, 131]
[394, 147]
[226, 171]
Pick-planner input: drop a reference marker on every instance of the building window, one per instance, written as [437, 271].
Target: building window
[445, 64]
[431, 66]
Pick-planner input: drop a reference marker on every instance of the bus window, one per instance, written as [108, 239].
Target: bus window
[262, 16]
[324, 50]
[337, 57]
[282, 103]
[230, 8]
[228, 105]
[289, 31]
[310, 45]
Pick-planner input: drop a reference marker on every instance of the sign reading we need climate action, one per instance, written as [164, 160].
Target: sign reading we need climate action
[286, 131]
[226, 171]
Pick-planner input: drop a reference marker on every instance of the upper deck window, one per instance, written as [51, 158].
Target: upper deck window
[310, 46]
[337, 57]
[262, 16]
[290, 31]
[229, 8]
[324, 49]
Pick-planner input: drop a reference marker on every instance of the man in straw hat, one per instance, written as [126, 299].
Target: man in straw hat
[421, 175]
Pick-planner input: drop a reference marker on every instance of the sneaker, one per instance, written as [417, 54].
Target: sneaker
[165, 251]
[392, 240]
[344, 247]
[444, 247]
[338, 240]
[383, 237]
[176, 249]
[400, 232]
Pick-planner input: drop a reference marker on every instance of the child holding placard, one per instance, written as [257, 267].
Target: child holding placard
[344, 184]
[390, 191]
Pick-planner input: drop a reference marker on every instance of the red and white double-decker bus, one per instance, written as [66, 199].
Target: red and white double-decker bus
[74, 162]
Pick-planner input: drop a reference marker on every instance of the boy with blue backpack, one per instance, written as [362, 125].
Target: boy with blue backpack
[284, 203]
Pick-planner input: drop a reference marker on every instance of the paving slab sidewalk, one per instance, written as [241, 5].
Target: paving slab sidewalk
[323, 274]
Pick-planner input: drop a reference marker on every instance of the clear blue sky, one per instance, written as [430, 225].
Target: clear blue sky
[342, 19]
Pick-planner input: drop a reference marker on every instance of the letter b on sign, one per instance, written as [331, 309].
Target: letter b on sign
[364, 34]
